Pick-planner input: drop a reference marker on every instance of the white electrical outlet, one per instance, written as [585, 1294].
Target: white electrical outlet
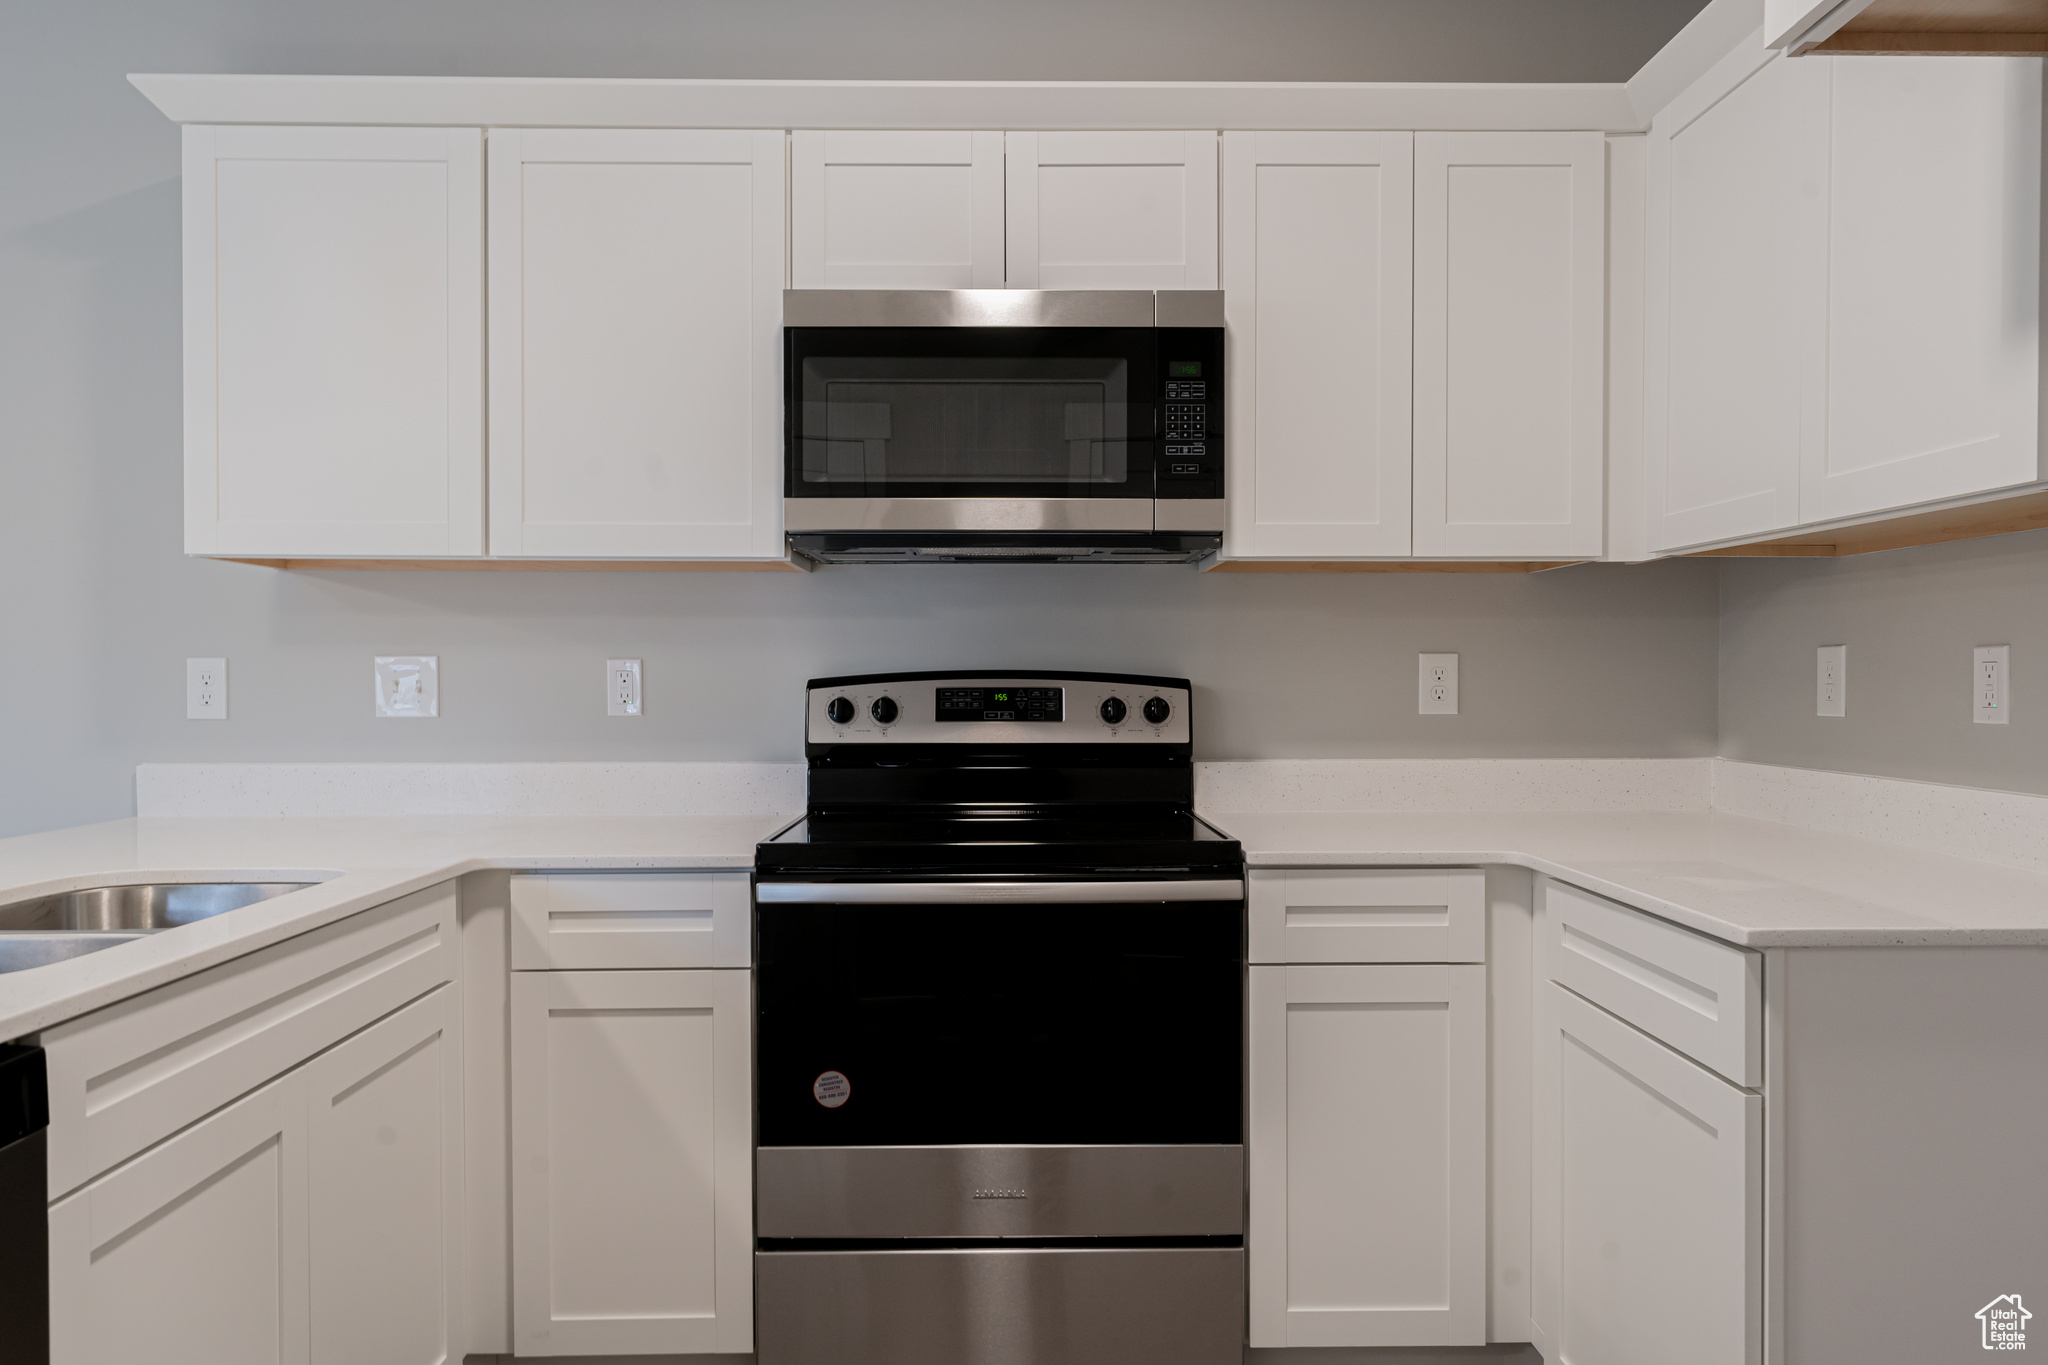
[206, 689]
[622, 687]
[1831, 681]
[1438, 693]
[1992, 681]
[408, 686]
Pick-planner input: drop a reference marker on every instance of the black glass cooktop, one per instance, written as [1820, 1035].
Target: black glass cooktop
[1023, 842]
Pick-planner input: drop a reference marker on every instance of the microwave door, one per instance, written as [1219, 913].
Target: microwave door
[890, 413]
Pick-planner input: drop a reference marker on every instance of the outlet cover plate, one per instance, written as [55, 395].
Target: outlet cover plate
[622, 687]
[1991, 684]
[206, 689]
[408, 686]
[1831, 681]
[1437, 685]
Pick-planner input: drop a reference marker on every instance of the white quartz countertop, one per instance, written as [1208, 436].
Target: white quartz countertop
[1752, 882]
[1748, 881]
[359, 862]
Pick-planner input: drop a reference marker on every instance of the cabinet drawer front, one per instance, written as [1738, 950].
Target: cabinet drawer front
[1368, 915]
[590, 920]
[130, 1075]
[1703, 997]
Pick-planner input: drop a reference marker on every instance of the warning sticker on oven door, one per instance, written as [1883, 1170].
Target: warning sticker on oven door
[832, 1089]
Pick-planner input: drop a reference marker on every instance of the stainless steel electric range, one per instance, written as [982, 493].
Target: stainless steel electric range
[1000, 1038]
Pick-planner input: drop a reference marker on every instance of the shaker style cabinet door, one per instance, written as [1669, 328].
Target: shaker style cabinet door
[1737, 249]
[1367, 1156]
[1317, 274]
[194, 1253]
[636, 315]
[1126, 210]
[383, 1127]
[1510, 344]
[896, 210]
[1933, 275]
[632, 1163]
[1649, 1198]
[334, 334]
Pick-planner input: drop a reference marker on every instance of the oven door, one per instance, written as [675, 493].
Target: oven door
[970, 429]
[1000, 1122]
[1043, 1012]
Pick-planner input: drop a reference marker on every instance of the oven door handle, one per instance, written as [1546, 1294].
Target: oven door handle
[993, 893]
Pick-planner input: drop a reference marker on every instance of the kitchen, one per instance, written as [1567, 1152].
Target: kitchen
[1521, 709]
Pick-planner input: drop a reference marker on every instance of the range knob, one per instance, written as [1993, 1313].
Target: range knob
[839, 710]
[1157, 710]
[884, 710]
[1113, 711]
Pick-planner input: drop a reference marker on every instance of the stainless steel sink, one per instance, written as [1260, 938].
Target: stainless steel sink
[52, 928]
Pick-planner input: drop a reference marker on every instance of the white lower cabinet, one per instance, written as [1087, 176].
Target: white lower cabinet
[383, 1143]
[195, 1252]
[1367, 1155]
[309, 1221]
[1650, 1191]
[632, 1162]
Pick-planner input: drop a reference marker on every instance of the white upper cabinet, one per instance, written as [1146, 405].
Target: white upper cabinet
[334, 347]
[1131, 210]
[1510, 261]
[1317, 274]
[1933, 283]
[1844, 292]
[1737, 223]
[636, 315]
[896, 210]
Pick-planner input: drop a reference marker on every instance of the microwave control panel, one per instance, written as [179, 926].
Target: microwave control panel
[1190, 412]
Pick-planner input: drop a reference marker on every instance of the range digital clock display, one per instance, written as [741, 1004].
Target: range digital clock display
[999, 703]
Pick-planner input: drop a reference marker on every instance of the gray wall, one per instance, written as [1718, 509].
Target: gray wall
[1910, 619]
[98, 609]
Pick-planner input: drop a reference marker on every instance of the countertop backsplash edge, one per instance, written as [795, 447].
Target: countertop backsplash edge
[325, 790]
[2007, 828]
[1457, 784]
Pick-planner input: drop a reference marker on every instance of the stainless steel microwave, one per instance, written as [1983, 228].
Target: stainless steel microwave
[1003, 424]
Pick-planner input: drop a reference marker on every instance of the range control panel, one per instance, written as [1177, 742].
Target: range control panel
[971, 704]
[997, 709]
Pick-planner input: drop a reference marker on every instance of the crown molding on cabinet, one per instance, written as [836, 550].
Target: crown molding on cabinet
[1716, 31]
[520, 101]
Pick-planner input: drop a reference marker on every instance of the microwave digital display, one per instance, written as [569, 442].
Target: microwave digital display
[999, 703]
[1183, 369]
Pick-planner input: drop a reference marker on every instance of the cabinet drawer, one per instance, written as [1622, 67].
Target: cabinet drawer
[127, 1076]
[1703, 997]
[597, 920]
[1391, 914]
